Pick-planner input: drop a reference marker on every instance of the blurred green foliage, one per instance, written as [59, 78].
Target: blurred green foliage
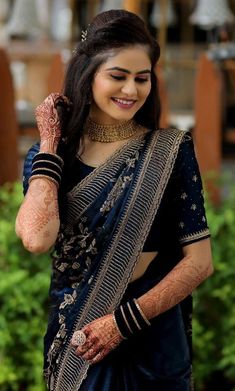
[24, 283]
[214, 301]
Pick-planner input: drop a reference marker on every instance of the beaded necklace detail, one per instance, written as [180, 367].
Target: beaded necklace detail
[110, 133]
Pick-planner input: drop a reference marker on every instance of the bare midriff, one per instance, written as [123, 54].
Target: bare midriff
[144, 261]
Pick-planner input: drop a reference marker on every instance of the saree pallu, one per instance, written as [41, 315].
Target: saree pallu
[107, 219]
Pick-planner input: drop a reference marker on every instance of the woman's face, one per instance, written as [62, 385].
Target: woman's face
[121, 85]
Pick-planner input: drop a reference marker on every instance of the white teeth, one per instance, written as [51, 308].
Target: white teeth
[124, 102]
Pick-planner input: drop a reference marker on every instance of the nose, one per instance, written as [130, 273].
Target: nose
[129, 88]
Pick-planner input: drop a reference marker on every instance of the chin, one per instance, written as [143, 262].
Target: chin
[123, 116]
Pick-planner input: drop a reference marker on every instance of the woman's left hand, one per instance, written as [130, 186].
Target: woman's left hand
[102, 336]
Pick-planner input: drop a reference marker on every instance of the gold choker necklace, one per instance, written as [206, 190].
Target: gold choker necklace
[110, 133]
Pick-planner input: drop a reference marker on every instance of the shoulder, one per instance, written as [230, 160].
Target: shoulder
[28, 164]
[179, 144]
[171, 135]
[181, 134]
[174, 141]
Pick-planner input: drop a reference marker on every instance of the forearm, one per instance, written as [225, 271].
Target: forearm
[37, 222]
[174, 287]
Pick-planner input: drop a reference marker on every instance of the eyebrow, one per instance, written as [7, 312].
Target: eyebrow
[126, 70]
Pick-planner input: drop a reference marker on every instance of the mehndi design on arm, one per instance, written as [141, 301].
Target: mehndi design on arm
[176, 286]
[42, 208]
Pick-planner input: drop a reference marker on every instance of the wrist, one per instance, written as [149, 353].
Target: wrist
[48, 166]
[48, 146]
[130, 319]
[147, 307]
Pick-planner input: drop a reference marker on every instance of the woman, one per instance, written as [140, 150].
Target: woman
[127, 224]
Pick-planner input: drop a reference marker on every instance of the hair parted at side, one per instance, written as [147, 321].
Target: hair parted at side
[109, 30]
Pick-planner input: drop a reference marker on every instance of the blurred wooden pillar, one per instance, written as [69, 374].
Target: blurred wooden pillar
[132, 6]
[8, 124]
[208, 115]
[164, 119]
[56, 74]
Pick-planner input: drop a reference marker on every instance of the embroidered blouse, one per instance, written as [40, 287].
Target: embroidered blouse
[182, 209]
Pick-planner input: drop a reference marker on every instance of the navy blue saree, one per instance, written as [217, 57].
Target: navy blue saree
[146, 197]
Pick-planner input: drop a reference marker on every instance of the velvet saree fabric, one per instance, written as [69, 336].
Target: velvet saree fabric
[107, 217]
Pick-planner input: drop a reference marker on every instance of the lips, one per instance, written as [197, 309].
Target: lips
[124, 103]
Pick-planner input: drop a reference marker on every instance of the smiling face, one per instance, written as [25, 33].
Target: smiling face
[121, 85]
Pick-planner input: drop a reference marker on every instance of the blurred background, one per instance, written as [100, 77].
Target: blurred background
[197, 87]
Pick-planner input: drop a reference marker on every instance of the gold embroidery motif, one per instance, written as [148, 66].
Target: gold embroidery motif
[115, 193]
[68, 299]
[184, 196]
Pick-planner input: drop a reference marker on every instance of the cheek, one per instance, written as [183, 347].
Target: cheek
[146, 91]
[101, 89]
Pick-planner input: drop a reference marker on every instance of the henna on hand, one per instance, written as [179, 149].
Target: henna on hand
[102, 337]
[48, 121]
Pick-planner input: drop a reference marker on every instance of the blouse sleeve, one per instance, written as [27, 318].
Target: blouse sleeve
[189, 201]
[28, 165]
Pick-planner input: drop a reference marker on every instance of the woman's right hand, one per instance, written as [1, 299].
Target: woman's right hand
[48, 122]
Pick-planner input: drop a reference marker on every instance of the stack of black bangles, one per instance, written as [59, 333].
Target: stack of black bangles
[130, 319]
[47, 165]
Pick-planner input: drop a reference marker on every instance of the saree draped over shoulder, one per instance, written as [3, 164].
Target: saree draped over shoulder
[108, 218]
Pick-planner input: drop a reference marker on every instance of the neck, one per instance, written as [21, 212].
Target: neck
[110, 133]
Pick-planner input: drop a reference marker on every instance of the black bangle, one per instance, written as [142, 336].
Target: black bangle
[130, 319]
[48, 157]
[122, 322]
[47, 172]
[39, 176]
[139, 315]
[47, 164]
[134, 325]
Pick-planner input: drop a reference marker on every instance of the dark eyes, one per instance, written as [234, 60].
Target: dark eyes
[138, 79]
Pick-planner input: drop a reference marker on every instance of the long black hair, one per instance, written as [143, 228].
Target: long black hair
[109, 30]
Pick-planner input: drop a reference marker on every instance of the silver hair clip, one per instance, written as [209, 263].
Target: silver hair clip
[84, 35]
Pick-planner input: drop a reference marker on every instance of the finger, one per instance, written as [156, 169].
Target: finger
[63, 101]
[91, 354]
[98, 357]
[81, 350]
[91, 342]
[53, 96]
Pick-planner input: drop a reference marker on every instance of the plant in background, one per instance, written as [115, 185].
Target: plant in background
[214, 309]
[24, 283]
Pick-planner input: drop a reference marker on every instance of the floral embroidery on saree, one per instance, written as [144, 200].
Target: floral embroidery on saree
[142, 173]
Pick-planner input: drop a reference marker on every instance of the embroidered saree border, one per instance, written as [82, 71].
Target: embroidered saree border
[83, 194]
[195, 236]
[122, 254]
